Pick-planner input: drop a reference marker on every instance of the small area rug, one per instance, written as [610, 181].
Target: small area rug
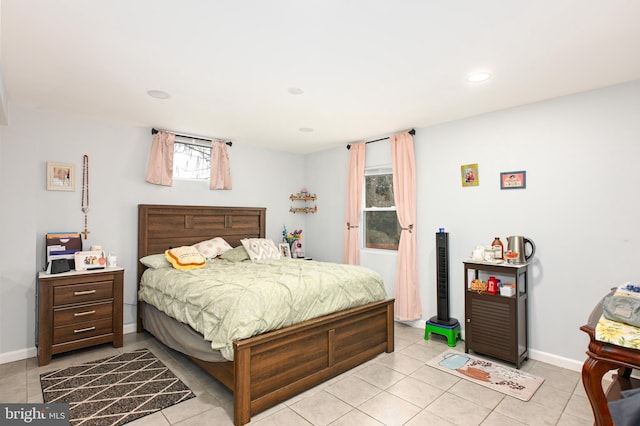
[510, 381]
[116, 390]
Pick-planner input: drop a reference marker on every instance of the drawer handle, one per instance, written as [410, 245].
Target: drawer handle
[82, 293]
[81, 314]
[82, 330]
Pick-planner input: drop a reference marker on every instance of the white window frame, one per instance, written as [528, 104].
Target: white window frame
[385, 169]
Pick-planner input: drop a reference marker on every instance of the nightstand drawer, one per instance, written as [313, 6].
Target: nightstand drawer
[82, 330]
[79, 293]
[84, 313]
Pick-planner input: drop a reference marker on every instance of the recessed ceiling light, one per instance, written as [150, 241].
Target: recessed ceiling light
[478, 77]
[158, 94]
[306, 129]
[295, 90]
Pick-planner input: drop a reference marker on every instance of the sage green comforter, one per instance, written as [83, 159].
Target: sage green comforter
[226, 301]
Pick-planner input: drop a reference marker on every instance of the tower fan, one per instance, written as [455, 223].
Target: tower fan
[442, 323]
[442, 280]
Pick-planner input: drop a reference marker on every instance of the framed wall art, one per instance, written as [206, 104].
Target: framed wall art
[469, 174]
[513, 180]
[61, 177]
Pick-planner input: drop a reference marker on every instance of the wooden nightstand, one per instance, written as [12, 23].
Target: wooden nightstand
[78, 309]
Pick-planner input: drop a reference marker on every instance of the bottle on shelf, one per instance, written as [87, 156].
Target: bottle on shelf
[498, 248]
[492, 285]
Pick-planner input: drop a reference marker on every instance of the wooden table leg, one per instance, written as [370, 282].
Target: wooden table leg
[592, 372]
[624, 372]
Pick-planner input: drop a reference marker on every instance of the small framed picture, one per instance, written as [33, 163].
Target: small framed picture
[469, 174]
[61, 177]
[87, 260]
[513, 180]
[285, 251]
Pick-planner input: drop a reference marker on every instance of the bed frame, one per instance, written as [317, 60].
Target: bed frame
[272, 367]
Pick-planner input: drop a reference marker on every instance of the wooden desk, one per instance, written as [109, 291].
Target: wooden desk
[604, 357]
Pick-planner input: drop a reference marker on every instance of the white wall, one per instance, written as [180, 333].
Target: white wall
[579, 206]
[580, 153]
[117, 159]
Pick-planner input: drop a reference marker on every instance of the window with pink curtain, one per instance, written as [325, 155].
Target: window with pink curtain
[406, 289]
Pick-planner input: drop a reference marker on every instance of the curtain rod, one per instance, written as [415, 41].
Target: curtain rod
[154, 131]
[412, 132]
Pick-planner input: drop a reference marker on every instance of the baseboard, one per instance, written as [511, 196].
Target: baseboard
[558, 361]
[130, 328]
[19, 355]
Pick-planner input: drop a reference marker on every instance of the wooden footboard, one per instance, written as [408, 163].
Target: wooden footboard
[273, 367]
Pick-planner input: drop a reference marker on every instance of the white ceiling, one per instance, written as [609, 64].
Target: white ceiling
[368, 68]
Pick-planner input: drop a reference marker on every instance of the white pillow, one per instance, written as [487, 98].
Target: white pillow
[213, 247]
[260, 248]
[156, 261]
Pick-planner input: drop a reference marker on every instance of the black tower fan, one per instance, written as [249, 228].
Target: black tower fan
[442, 281]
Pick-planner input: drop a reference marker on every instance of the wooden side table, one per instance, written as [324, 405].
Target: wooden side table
[604, 357]
[77, 310]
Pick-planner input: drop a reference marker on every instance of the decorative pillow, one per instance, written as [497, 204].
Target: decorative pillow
[237, 254]
[155, 261]
[260, 248]
[185, 258]
[213, 247]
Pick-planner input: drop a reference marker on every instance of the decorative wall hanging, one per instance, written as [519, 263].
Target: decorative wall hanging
[61, 177]
[470, 175]
[513, 180]
[85, 193]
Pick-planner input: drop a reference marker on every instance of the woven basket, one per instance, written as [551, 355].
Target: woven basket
[478, 285]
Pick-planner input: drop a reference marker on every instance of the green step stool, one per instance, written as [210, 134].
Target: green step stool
[451, 332]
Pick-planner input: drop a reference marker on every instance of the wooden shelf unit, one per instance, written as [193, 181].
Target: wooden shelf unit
[496, 325]
[303, 208]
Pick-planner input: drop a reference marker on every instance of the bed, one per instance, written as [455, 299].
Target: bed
[274, 366]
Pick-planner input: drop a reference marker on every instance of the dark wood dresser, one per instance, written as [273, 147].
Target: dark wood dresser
[77, 310]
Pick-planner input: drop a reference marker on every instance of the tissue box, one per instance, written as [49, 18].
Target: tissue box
[508, 290]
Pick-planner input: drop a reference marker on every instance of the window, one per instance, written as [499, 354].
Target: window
[381, 226]
[191, 160]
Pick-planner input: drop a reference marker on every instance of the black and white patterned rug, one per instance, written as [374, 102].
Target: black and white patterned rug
[116, 390]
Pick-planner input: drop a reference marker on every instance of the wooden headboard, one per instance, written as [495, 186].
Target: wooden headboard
[161, 227]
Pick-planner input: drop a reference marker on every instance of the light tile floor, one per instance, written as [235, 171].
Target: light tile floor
[392, 389]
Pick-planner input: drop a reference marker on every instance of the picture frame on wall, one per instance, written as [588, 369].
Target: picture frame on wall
[285, 250]
[469, 174]
[513, 180]
[61, 177]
